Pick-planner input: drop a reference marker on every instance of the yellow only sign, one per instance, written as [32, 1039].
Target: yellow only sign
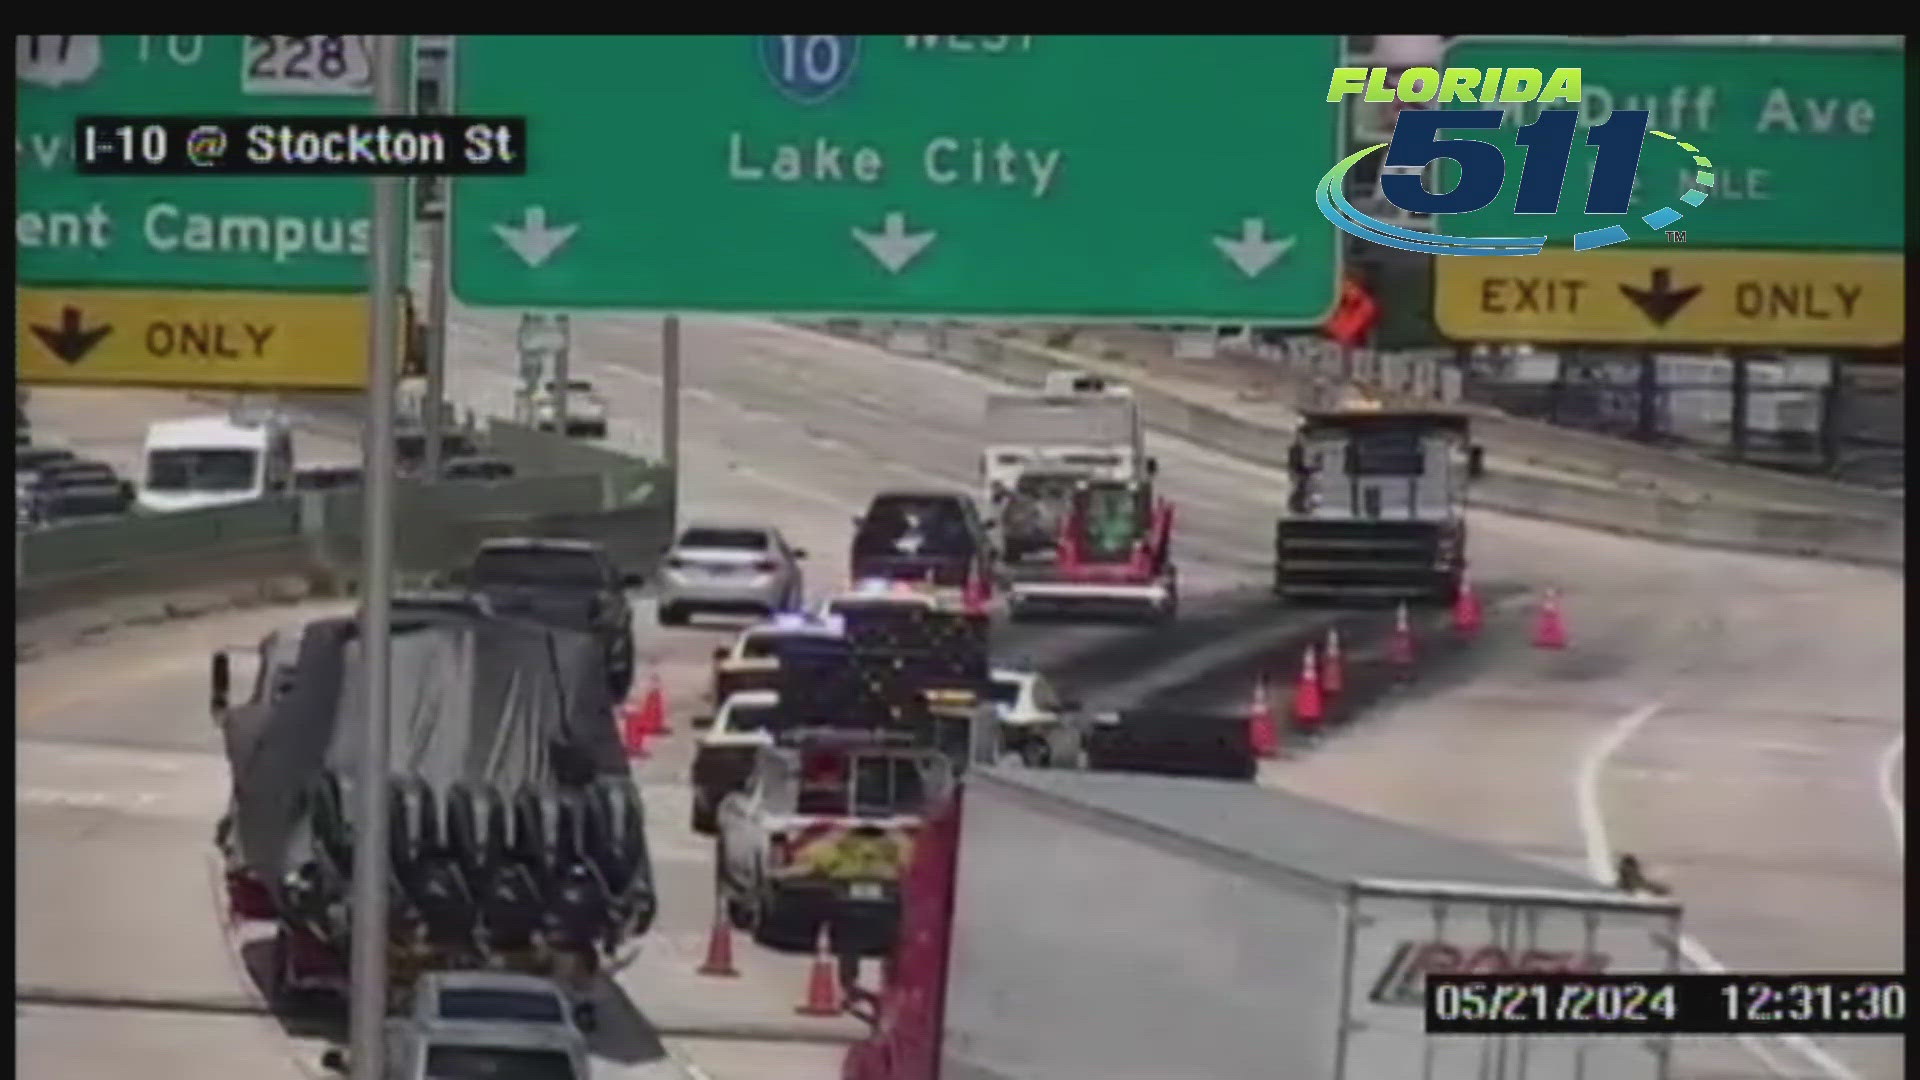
[191, 338]
[1674, 298]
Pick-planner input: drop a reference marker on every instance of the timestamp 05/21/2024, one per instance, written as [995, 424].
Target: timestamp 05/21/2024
[1732, 1003]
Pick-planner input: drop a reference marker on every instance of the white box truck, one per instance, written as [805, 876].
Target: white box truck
[1062, 925]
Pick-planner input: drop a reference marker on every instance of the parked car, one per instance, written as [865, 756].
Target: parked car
[730, 568]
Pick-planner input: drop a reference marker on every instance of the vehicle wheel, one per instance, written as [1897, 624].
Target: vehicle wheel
[1036, 754]
[673, 615]
[764, 917]
[586, 1016]
[702, 818]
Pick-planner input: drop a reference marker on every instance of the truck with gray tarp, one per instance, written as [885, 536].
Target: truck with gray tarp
[1058, 925]
[516, 830]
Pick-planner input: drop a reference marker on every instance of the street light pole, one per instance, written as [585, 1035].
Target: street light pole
[367, 997]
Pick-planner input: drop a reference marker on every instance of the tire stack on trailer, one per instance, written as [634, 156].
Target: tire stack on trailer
[516, 832]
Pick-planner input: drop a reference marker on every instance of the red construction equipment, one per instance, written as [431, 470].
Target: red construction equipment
[1307, 705]
[1333, 676]
[719, 961]
[1261, 731]
[1550, 630]
[1400, 645]
[823, 983]
[1466, 609]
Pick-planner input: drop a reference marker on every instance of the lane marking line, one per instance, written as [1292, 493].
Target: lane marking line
[1600, 856]
[1889, 795]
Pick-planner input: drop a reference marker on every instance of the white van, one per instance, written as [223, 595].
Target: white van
[214, 461]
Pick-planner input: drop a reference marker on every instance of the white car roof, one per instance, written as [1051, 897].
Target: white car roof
[751, 699]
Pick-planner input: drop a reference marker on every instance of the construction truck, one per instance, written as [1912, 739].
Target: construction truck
[1128, 926]
[517, 833]
[1378, 506]
[1077, 525]
[1078, 427]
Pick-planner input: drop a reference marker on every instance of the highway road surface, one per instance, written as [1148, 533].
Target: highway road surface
[1755, 787]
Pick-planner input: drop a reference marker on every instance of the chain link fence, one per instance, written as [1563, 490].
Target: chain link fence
[1817, 416]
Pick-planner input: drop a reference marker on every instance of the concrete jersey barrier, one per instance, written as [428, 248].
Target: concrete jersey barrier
[309, 544]
[1838, 536]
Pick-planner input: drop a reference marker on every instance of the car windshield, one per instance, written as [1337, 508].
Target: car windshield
[454, 1062]
[750, 717]
[760, 647]
[483, 1004]
[545, 567]
[906, 525]
[726, 539]
[201, 469]
[1004, 691]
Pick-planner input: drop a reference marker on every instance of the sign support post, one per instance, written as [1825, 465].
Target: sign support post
[367, 996]
[670, 412]
[436, 395]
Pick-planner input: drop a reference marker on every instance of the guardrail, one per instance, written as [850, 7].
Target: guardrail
[310, 543]
[1866, 538]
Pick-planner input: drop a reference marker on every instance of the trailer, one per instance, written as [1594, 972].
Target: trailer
[1066, 924]
[517, 835]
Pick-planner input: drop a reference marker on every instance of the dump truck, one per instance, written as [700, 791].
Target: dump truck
[1378, 506]
[1074, 924]
[517, 833]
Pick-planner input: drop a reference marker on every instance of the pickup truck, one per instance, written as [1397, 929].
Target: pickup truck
[1115, 925]
[570, 583]
[822, 833]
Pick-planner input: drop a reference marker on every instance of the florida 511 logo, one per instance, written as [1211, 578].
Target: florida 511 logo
[1481, 167]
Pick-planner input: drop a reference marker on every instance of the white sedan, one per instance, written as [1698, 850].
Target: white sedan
[1037, 724]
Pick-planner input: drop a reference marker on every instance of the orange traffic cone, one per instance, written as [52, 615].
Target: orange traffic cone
[1550, 631]
[1466, 609]
[1260, 728]
[653, 707]
[1306, 695]
[823, 984]
[1333, 676]
[719, 961]
[1400, 645]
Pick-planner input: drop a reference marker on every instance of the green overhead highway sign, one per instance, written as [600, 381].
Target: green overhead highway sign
[1145, 178]
[272, 232]
[1807, 141]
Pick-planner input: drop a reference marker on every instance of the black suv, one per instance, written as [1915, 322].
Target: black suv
[932, 536]
[570, 583]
